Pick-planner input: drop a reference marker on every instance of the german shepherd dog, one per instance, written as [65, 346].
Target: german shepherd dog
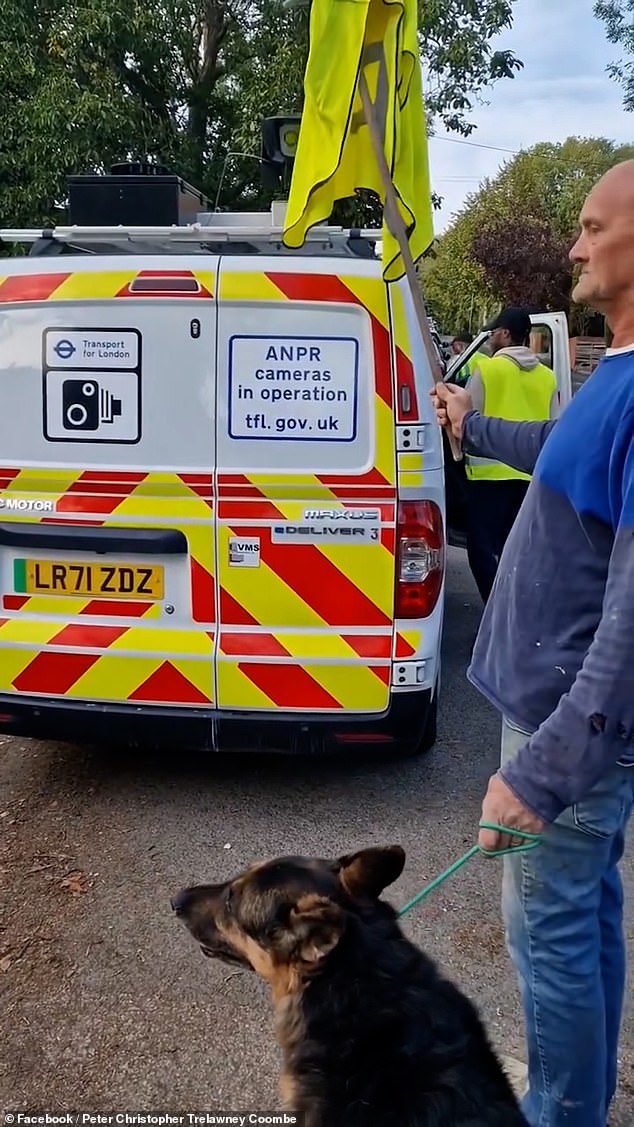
[371, 1034]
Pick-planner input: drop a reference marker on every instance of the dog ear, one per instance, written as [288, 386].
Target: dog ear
[315, 926]
[365, 874]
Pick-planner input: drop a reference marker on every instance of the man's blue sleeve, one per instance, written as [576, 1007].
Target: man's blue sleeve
[516, 444]
[592, 728]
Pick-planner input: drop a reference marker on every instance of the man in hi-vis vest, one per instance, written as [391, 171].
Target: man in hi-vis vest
[510, 384]
[458, 345]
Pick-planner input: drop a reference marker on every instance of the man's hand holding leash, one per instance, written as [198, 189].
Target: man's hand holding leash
[502, 808]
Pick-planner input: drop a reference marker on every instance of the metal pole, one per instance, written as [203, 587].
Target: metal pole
[397, 226]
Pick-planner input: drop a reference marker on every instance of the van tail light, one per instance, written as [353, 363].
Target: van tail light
[420, 558]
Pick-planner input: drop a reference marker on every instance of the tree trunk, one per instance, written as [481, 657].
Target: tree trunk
[215, 24]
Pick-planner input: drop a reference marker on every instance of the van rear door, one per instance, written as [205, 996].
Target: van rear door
[306, 487]
[106, 491]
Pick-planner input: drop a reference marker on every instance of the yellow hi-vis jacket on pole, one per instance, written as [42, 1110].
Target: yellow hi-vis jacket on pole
[522, 390]
[335, 155]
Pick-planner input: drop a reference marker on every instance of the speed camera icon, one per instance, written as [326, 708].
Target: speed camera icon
[86, 405]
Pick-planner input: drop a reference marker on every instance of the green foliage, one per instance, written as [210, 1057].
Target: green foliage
[511, 238]
[458, 62]
[186, 83]
[618, 16]
[453, 281]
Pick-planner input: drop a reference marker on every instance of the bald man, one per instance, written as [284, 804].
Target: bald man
[555, 655]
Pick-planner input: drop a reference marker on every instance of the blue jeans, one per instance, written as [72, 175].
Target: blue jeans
[563, 912]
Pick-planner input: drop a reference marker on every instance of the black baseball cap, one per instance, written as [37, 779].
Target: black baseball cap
[515, 319]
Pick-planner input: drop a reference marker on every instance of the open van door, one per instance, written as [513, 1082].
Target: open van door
[549, 340]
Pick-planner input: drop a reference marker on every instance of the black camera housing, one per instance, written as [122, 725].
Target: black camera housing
[81, 404]
[85, 404]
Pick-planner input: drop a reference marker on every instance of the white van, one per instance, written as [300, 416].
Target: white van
[222, 503]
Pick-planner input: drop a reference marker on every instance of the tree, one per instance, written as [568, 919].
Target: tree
[458, 61]
[186, 83]
[618, 16]
[512, 237]
[525, 261]
[454, 283]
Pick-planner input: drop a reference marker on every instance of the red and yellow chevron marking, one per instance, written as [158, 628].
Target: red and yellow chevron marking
[6, 477]
[101, 285]
[258, 508]
[335, 655]
[260, 644]
[116, 498]
[71, 485]
[142, 639]
[335, 651]
[302, 686]
[90, 676]
[313, 586]
[69, 608]
[263, 643]
[138, 656]
[113, 662]
[302, 585]
[371, 486]
[403, 359]
[177, 682]
[407, 643]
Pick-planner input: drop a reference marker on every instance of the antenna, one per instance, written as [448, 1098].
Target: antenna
[250, 156]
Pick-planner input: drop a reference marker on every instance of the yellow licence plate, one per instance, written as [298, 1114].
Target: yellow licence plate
[94, 580]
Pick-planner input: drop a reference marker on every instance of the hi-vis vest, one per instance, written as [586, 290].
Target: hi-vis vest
[463, 375]
[510, 392]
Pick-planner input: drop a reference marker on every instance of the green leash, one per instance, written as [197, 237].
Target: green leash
[529, 841]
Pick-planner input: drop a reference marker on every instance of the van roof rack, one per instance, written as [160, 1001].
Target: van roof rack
[214, 232]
